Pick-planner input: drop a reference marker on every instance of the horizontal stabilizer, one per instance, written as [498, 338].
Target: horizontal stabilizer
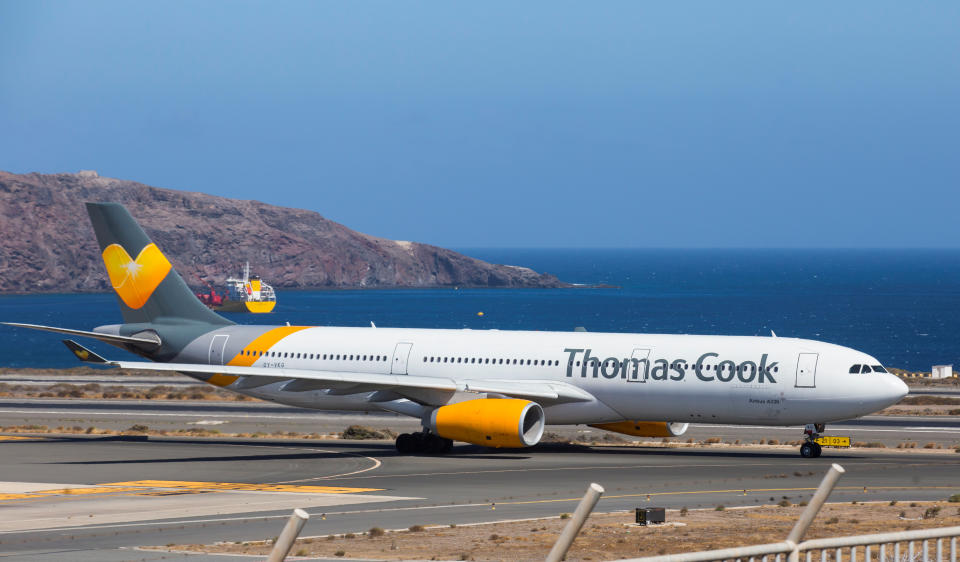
[83, 353]
[146, 342]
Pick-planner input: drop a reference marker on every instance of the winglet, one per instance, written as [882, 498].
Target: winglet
[83, 353]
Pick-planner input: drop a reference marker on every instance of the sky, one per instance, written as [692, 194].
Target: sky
[536, 124]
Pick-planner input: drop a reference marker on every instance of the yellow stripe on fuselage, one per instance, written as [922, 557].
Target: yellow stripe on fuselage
[263, 343]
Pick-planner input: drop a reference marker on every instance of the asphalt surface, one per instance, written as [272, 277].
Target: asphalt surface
[471, 485]
[251, 417]
[99, 498]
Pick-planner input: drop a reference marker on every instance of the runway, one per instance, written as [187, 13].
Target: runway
[90, 497]
[159, 491]
[250, 417]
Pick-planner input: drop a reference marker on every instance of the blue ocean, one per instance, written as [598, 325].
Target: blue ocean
[902, 306]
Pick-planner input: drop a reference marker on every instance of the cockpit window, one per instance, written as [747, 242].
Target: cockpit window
[879, 369]
[865, 369]
[855, 369]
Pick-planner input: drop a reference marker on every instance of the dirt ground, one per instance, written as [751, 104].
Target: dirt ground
[610, 536]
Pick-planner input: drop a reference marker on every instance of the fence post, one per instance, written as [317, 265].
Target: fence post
[289, 534]
[590, 499]
[813, 508]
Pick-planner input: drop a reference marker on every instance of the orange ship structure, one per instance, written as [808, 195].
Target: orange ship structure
[244, 294]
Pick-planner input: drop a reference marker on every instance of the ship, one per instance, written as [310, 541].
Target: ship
[243, 294]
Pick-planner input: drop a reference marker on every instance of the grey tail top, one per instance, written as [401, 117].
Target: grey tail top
[148, 289]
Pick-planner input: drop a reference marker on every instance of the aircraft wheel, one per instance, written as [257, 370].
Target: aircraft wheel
[441, 445]
[817, 449]
[406, 444]
[432, 444]
[807, 450]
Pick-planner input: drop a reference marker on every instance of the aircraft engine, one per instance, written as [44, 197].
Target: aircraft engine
[646, 429]
[493, 422]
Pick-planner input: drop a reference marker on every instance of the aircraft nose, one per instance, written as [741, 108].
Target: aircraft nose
[899, 388]
[894, 389]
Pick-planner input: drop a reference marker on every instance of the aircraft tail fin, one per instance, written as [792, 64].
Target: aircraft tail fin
[148, 288]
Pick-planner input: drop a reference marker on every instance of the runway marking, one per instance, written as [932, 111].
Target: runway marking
[66, 492]
[603, 467]
[171, 487]
[376, 465]
[18, 496]
[241, 487]
[484, 505]
[376, 462]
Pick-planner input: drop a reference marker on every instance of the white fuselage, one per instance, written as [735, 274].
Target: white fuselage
[649, 377]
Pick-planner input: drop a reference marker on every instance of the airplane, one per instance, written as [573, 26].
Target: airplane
[485, 387]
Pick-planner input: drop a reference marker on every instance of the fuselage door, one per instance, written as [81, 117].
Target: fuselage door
[217, 345]
[807, 370]
[638, 368]
[400, 357]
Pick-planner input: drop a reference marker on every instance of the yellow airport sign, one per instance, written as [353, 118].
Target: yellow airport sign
[833, 441]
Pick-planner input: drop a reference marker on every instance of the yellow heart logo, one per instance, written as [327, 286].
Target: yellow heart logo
[135, 280]
[82, 353]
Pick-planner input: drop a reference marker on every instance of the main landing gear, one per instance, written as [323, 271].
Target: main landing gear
[810, 448]
[423, 443]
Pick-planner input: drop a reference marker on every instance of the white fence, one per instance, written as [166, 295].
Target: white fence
[886, 547]
[926, 545]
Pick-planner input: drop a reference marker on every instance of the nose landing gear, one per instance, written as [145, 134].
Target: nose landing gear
[810, 448]
[423, 442]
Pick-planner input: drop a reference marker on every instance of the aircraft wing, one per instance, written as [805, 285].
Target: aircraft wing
[345, 382]
[427, 390]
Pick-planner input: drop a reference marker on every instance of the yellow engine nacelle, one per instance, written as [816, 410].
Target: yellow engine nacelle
[493, 422]
[645, 429]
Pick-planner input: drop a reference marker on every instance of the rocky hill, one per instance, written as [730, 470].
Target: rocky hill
[47, 244]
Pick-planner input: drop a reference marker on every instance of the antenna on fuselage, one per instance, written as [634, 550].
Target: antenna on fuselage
[372, 325]
[773, 334]
[579, 329]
